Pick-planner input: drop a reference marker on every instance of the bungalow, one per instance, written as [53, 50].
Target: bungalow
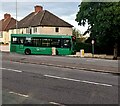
[42, 22]
[5, 24]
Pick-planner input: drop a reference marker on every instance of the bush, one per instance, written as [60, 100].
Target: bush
[98, 48]
[85, 46]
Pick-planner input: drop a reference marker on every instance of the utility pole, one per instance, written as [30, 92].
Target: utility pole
[16, 18]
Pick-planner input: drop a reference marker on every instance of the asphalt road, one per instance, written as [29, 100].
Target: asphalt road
[25, 83]
[90, 64]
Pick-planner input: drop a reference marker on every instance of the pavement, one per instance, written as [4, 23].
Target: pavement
[6, 48]
[87, 64]
[88, 67]
[89, 55]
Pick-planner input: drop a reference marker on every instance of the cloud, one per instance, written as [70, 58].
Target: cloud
[71, 19]
[65, 10]
[42, 0]
[62, 9]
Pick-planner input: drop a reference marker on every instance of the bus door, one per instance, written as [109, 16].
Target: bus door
[65, 46]
[21, 46]
[21, 43]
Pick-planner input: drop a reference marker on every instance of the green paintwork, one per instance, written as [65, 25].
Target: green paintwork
[19, 48]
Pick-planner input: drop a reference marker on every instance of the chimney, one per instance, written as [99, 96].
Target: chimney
[7, 16]
[38, 8]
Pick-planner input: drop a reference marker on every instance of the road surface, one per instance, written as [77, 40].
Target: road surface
[25, 83]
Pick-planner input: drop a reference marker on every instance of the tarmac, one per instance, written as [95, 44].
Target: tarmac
[5, 49]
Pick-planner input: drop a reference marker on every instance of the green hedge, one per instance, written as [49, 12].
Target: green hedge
[85, 46]
[97, 49]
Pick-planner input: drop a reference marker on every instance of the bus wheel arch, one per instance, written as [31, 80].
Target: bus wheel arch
[27, 51]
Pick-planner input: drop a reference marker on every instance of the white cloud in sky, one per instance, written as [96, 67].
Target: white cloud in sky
[65, 10]
[59, 0]
[41, 0]
[71, 19]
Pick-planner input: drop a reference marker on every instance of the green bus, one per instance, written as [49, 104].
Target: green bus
[41, 44]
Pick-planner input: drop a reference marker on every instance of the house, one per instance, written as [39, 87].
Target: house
[6, 23]
[42, 22]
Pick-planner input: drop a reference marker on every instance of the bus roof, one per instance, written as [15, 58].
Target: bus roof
[41, 35]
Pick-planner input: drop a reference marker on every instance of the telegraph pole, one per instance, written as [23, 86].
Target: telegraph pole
[16, 18]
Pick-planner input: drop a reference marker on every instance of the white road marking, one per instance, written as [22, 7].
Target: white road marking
[67, 66]
[82, 68]
[104, 73]
[73, 67]
[50, 64]
[54, 103]
[59, 65]
[43, 63]
[93, 69]
[11, 70]
[84, 81]
[26, 96]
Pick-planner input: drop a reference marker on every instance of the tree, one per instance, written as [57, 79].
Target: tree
[103, 20]
[80, 37]
[76, 33]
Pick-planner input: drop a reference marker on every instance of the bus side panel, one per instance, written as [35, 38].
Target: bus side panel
[47, 51]
[16, 48]
[12, 48]
[64, 51]
[39, 50]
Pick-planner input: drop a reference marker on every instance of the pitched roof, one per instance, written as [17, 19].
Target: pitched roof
[7, 23]
[42, 18]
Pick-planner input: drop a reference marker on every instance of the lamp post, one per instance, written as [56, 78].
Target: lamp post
[92, 47]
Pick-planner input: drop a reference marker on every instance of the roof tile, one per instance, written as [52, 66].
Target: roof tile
[42, 18]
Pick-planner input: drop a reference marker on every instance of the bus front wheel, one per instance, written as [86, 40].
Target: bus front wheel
[27, 51]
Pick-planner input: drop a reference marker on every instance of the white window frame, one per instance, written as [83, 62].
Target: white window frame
[27, 30]
[35, 29]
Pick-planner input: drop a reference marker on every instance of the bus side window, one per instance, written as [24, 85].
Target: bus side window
[45, 42]
[14, 40]
[55, 42]
[66, 43]
[21, 40]
[28, 42]
[36, 42]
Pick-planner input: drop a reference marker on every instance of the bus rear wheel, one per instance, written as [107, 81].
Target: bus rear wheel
[27, 51]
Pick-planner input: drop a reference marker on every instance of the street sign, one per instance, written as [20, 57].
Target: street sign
[93, 42]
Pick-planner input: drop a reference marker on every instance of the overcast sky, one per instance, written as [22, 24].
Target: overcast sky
[65, 10]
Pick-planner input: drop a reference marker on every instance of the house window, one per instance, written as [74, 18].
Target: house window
[35, 30]
[56, 29]
[12, 31]
[27, 30]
